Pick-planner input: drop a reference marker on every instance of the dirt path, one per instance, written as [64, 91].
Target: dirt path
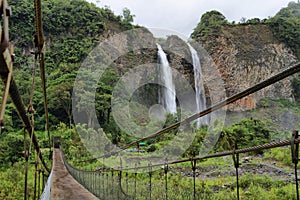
[64, 186]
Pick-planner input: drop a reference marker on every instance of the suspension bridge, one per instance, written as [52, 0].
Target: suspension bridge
[68, 182]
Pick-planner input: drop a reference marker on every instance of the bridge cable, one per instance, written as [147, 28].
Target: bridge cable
[6, 60]
[26, 168]
[234, 153]
[290, 71]
[235, 158]
[6, 51]
[166, 169]
[219, 154]
[295, 158]
[194, 163]
[35, 176]
[27, 153]
[277, 77]
[39, 45]
[150, 181]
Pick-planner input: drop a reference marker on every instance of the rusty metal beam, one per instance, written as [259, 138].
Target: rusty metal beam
[39, 37]
[6, 61]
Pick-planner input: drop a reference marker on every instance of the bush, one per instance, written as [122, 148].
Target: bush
[247, 133]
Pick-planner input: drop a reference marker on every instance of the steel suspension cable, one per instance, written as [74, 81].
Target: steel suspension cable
[278, 77]
[6, 60]
[18, 102]
[38, 25]
[43, 77]
[39, 44]
[26, 168]
[214, 155]
[28, 152]
[284, 74]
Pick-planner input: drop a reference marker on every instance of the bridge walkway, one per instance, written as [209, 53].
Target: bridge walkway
[64, 186]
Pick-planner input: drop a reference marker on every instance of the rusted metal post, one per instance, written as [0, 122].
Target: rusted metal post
[112, 182]
[39, 183]
[107, 184]
[120, 178]
[102, 183]
[99, 195]
[295, 158]
[135, 174]
[166, 168]
[35, 179]
[8, 56]
[43, 178]
[150, 181]
[235, 157]
[193, 162]
[26, 169]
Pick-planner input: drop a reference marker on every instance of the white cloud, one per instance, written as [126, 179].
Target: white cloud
[183, 16]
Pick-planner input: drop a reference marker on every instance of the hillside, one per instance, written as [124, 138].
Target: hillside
[244, 54]
[72, 29]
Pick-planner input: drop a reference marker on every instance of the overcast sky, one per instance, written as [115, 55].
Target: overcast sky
[182, 16]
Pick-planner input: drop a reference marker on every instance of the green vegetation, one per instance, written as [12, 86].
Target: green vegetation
[246, 133]
[210, 23]
[72, 29]
[286, 26]
[180, 183]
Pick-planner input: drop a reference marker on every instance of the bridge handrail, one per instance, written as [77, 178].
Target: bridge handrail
[47, 189]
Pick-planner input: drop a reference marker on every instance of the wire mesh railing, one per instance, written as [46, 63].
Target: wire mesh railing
[166, 180]
[47, 189]
[162, 180]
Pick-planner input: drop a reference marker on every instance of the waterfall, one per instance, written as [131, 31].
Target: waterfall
[199, 88]
[167, 96]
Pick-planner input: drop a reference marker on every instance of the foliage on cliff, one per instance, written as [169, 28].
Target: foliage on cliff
[286, 26]
[211, 22]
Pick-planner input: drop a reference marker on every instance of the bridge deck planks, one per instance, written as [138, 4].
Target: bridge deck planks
[64, 186]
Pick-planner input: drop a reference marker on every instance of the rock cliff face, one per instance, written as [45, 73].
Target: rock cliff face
[246, 55]
[233, 59]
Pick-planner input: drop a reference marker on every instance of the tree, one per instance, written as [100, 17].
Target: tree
[243, 20]
[104, 95]
[210, 22]
[286, 27]
[127, 16]
[253, 21]
[11, 146]
[246, 133]
[60, 93]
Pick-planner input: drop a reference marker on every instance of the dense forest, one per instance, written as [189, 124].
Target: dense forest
[72, 29]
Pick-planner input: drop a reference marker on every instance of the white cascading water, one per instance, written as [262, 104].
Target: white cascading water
[200, 93]
[168, 95]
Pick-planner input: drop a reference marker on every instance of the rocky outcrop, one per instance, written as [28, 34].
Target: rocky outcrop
[233, 59]
[246, 55]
